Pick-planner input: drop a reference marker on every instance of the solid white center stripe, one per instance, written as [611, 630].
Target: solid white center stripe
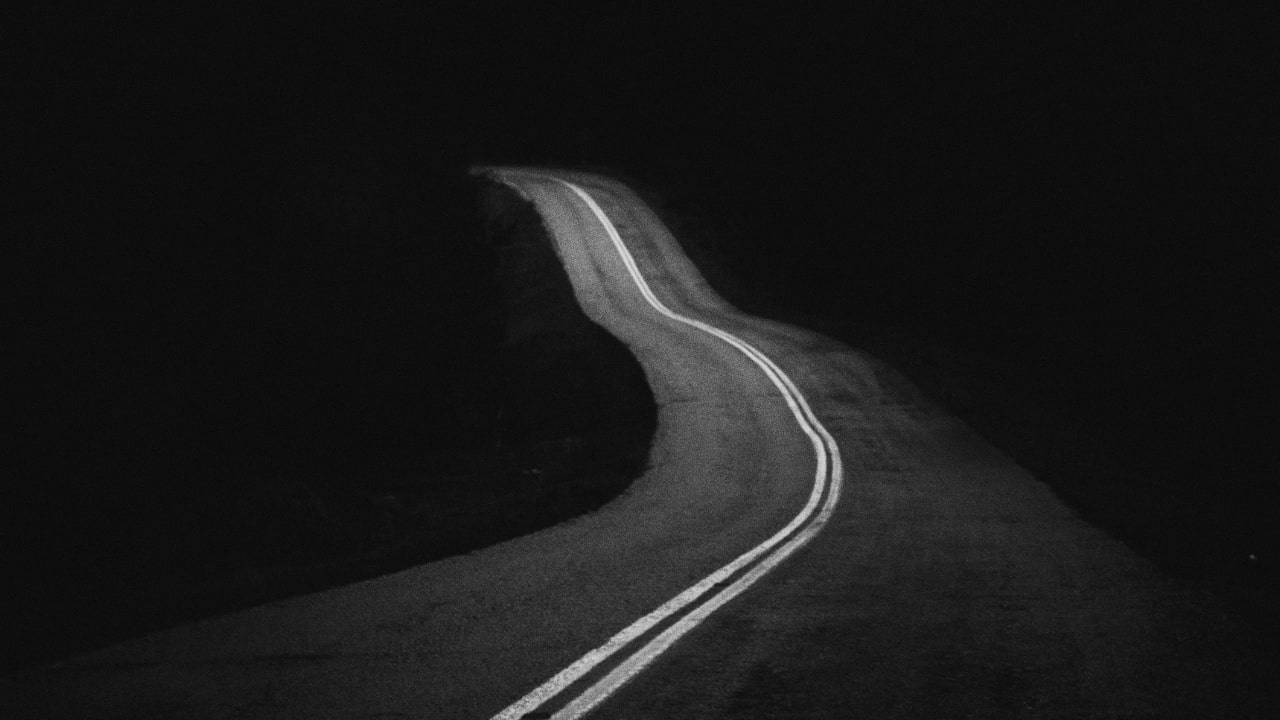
[824, 447]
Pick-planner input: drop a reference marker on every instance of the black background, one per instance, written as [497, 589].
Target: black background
[231, 222]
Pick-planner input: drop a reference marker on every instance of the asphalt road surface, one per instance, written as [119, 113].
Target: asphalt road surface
[812, 540]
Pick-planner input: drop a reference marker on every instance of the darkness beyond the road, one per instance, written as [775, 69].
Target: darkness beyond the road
[269, 217]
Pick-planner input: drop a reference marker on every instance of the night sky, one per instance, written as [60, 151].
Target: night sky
[940, 159]
[213, 194]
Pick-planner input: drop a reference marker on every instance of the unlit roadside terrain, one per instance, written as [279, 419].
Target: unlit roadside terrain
[951, 583]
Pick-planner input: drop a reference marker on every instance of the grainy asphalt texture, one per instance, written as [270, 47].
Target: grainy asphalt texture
[950, 583]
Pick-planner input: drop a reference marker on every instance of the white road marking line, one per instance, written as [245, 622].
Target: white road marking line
[823, 444]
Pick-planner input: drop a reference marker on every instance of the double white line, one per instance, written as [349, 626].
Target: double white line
[765, 556]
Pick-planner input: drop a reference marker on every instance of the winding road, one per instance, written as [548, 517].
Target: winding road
[812, 539]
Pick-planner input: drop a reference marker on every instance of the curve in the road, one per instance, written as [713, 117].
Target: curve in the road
[760, 559]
